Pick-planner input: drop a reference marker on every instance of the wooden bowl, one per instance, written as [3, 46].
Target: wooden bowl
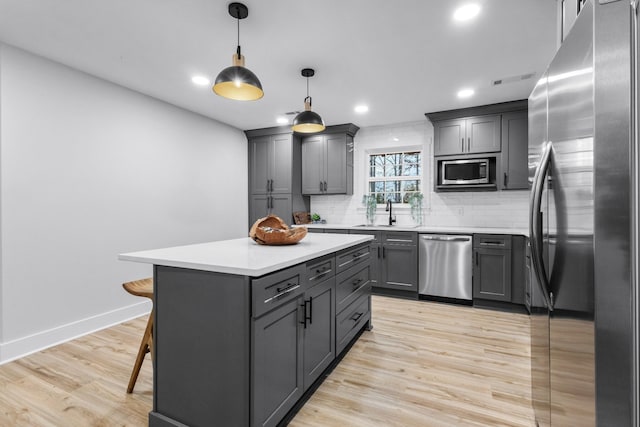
[271, 230]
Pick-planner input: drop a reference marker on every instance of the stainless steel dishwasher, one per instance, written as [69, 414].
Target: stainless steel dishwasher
[445, 268]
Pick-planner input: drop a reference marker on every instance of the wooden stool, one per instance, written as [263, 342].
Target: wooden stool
[141, 288]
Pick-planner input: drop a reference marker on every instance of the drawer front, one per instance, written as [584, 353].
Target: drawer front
[400, 238]
[375, 234]
[352, 257]
[493, 241]
[350, 285]
[277, 288]
[351, 320]
[319, 270]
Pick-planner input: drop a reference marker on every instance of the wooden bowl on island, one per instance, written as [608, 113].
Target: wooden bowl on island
[272, 230]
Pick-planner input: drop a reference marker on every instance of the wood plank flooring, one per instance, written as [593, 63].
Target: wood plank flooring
[423, 364]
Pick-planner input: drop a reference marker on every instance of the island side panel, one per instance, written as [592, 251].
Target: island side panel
[202, 344]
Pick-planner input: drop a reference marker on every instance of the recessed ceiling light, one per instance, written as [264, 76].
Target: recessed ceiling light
[361, 109]
[200, 80]
[282, 120]
[465, 93]
[466, 12]
[395, 139]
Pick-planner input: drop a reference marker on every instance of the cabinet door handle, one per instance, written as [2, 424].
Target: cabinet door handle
[267, 186]
[462, 145]
[306, 317]
[384, 252]
[378, 251]
[270, 202]
[321, 186]
[325, 186]
[270, 185]
[468, 144]
[304, 314]
[505, 179]
[356, 316]
[476, 258]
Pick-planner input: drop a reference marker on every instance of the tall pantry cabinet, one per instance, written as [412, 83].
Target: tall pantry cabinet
[275, 174]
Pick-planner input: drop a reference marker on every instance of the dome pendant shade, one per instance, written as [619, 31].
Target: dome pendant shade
[308, 121]
[238, 83]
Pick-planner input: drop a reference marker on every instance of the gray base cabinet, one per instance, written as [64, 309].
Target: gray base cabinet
[277, 364]
[243, 351]
[394, 260]
[319, 329]
[492, 267]
[399, 266]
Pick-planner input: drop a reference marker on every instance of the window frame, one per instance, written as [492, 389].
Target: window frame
[391, 151]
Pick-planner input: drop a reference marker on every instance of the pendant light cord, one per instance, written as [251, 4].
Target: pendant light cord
[308, 97]
[238, 21]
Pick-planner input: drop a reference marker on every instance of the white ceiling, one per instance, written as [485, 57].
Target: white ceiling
[403, 58]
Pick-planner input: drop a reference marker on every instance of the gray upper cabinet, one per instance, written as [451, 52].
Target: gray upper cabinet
[313, 172]
[467, 136]
[515, 131]
[275, 158]
[327, 161]
[270, 164]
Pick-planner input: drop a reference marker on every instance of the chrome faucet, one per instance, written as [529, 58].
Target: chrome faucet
[389, 209]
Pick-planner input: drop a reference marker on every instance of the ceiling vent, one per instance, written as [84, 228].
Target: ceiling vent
[512, 79]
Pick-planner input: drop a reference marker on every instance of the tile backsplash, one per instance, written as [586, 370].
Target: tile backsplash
[465, 209]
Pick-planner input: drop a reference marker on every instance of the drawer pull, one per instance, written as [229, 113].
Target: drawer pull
[282, 292]
[356, 317]
[355, 283]
[320, 273]
[400, 240]
[359, 255]
[492, 243]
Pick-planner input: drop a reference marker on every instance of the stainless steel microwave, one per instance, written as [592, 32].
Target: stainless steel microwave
[464, 172]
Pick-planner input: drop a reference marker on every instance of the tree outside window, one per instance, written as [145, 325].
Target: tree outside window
[395, 176]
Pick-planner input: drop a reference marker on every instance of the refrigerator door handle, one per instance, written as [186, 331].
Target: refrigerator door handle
[535, 222]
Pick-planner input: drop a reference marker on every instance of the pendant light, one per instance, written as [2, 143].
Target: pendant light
[237, 82]
[308, 121]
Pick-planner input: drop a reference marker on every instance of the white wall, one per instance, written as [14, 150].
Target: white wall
[464, 209]
[88, 170]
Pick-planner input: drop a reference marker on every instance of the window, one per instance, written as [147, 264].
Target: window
[395, 176]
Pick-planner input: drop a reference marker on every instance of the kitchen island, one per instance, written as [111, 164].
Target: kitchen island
[243, 331]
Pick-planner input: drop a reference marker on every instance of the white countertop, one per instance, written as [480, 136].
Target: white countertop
[244, 256]
[427, 229]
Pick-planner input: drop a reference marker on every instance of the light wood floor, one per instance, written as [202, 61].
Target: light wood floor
[424, 364]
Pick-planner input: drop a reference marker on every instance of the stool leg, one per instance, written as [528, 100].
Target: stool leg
[144, 349]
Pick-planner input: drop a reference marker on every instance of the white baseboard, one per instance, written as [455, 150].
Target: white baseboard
[21, 347]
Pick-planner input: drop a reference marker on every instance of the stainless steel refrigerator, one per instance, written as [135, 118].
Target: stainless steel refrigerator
[583, 169]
